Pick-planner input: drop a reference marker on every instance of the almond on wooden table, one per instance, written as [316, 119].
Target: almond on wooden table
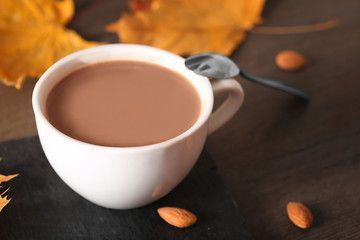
[299, 214]
[289, 60]
[177, 217]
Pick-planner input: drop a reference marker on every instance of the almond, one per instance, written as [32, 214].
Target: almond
[289, 60]
[299, 214]
[177, 217]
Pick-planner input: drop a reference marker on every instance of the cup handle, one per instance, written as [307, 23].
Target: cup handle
[230, 106]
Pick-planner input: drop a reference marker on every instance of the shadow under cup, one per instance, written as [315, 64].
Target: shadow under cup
[121, 177]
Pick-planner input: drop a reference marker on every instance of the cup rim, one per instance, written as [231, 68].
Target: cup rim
[39, 114]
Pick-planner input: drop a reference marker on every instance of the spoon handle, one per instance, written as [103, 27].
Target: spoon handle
[284, 86]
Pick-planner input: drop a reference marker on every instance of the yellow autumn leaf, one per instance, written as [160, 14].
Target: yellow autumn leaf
[3, 202]
[4, 178]
[188, 27]
[33, 37]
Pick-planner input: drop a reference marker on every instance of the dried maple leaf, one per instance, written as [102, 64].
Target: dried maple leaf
[33, 37]
[187, 27]
[139, 5]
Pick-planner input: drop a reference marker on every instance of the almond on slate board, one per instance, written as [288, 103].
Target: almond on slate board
[289, 60]
[299, 214]
[177, 217]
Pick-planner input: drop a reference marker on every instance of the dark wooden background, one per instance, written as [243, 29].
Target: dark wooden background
[276, 149]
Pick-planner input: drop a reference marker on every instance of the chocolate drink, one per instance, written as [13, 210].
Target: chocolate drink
[123, 104]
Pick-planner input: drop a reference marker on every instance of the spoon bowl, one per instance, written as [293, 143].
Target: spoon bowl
[212, 65]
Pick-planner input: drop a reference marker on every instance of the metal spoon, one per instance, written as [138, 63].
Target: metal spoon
[214, 65]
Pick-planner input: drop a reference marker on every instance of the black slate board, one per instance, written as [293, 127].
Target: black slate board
[43, 207]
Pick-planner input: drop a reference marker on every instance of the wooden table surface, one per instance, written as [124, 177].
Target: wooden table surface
[276, 149]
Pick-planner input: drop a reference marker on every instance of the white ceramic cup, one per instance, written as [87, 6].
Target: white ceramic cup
[129, 177]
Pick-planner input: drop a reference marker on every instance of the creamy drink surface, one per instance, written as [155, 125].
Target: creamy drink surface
[123, 104]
